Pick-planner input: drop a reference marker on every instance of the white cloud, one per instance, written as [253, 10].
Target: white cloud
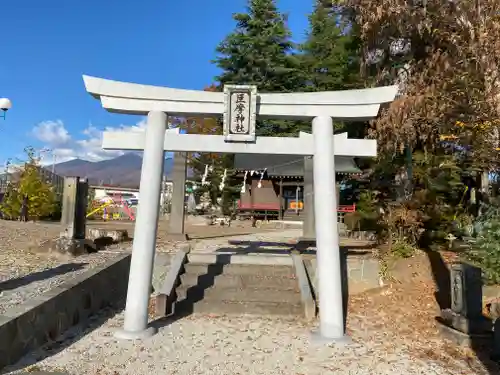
[52, 132]
[65, 146]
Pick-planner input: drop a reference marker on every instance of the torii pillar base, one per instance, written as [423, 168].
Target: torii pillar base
[139, 335]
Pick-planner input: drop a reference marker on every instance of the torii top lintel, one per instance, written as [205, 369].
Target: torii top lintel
[132, 98]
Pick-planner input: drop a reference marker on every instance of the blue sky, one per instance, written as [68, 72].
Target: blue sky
[48, 45]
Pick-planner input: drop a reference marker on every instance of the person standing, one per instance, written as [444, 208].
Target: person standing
[24, 209]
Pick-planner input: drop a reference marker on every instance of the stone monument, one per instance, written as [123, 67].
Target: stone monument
[73, 218]
[464, 322]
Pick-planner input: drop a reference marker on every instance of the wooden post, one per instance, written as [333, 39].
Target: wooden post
[281, 199]
[308, 228]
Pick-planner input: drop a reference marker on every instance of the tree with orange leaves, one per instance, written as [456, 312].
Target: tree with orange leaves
[445, 56]
[216, 162]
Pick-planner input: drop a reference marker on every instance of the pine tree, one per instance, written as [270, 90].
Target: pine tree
[260, 52]
[330, 54]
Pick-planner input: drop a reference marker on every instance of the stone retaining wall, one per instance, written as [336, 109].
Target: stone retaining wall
[363, 273]
[42, 319]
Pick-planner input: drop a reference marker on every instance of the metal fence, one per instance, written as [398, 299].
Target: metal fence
[51, 178]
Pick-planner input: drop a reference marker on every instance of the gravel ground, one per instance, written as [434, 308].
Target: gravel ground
[271, 241]
[24, 273]
[275, 242]
[393, 331]
[18, 289]
[243, 345]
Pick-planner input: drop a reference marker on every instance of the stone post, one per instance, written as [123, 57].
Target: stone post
[465, 317]
[146, 225]
[177, 210]
[466, 290]
[495, 353]
[331, 313]
[74, 207]
[308, 230]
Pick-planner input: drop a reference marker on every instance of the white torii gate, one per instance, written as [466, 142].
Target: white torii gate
[158, 102]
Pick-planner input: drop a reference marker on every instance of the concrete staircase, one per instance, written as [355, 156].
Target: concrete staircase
[224, 285]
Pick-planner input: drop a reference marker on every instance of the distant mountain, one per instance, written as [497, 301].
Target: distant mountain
[124, 171]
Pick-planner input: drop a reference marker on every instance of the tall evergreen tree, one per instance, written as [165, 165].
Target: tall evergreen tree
[259, 52]
[330, 53]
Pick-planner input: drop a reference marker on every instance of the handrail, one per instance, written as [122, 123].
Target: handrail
[166, 297]
[305, 288]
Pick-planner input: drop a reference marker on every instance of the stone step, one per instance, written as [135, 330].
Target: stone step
[240, 281]
[186, 307]
[218, 294]
[238, 269]
[264, 259]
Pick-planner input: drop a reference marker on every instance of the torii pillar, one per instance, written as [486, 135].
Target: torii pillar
[177, 207]
[308, 225]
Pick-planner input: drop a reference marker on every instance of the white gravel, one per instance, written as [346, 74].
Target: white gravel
[24, 274]
[247, 243]
[271, 241]
[222, 345]
[16, 288]
[241, 345]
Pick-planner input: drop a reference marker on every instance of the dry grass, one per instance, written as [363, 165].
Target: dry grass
[406, 310]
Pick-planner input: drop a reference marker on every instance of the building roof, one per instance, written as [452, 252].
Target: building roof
[287, 165]
[117, 188]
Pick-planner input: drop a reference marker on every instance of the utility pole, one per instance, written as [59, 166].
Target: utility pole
[53, 163]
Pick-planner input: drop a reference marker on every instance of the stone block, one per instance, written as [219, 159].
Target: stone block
[63, 246]
[116, 235]
[94, 233]
[31, 324]
[464, 324]
[363, 274]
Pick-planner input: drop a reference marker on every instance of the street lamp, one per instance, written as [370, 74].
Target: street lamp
[5, 105]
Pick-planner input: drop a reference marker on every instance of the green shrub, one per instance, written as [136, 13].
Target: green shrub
[352, 220]
[485, 247]
[402, 249]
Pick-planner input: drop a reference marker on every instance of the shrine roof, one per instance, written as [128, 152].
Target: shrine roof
[287, 165]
